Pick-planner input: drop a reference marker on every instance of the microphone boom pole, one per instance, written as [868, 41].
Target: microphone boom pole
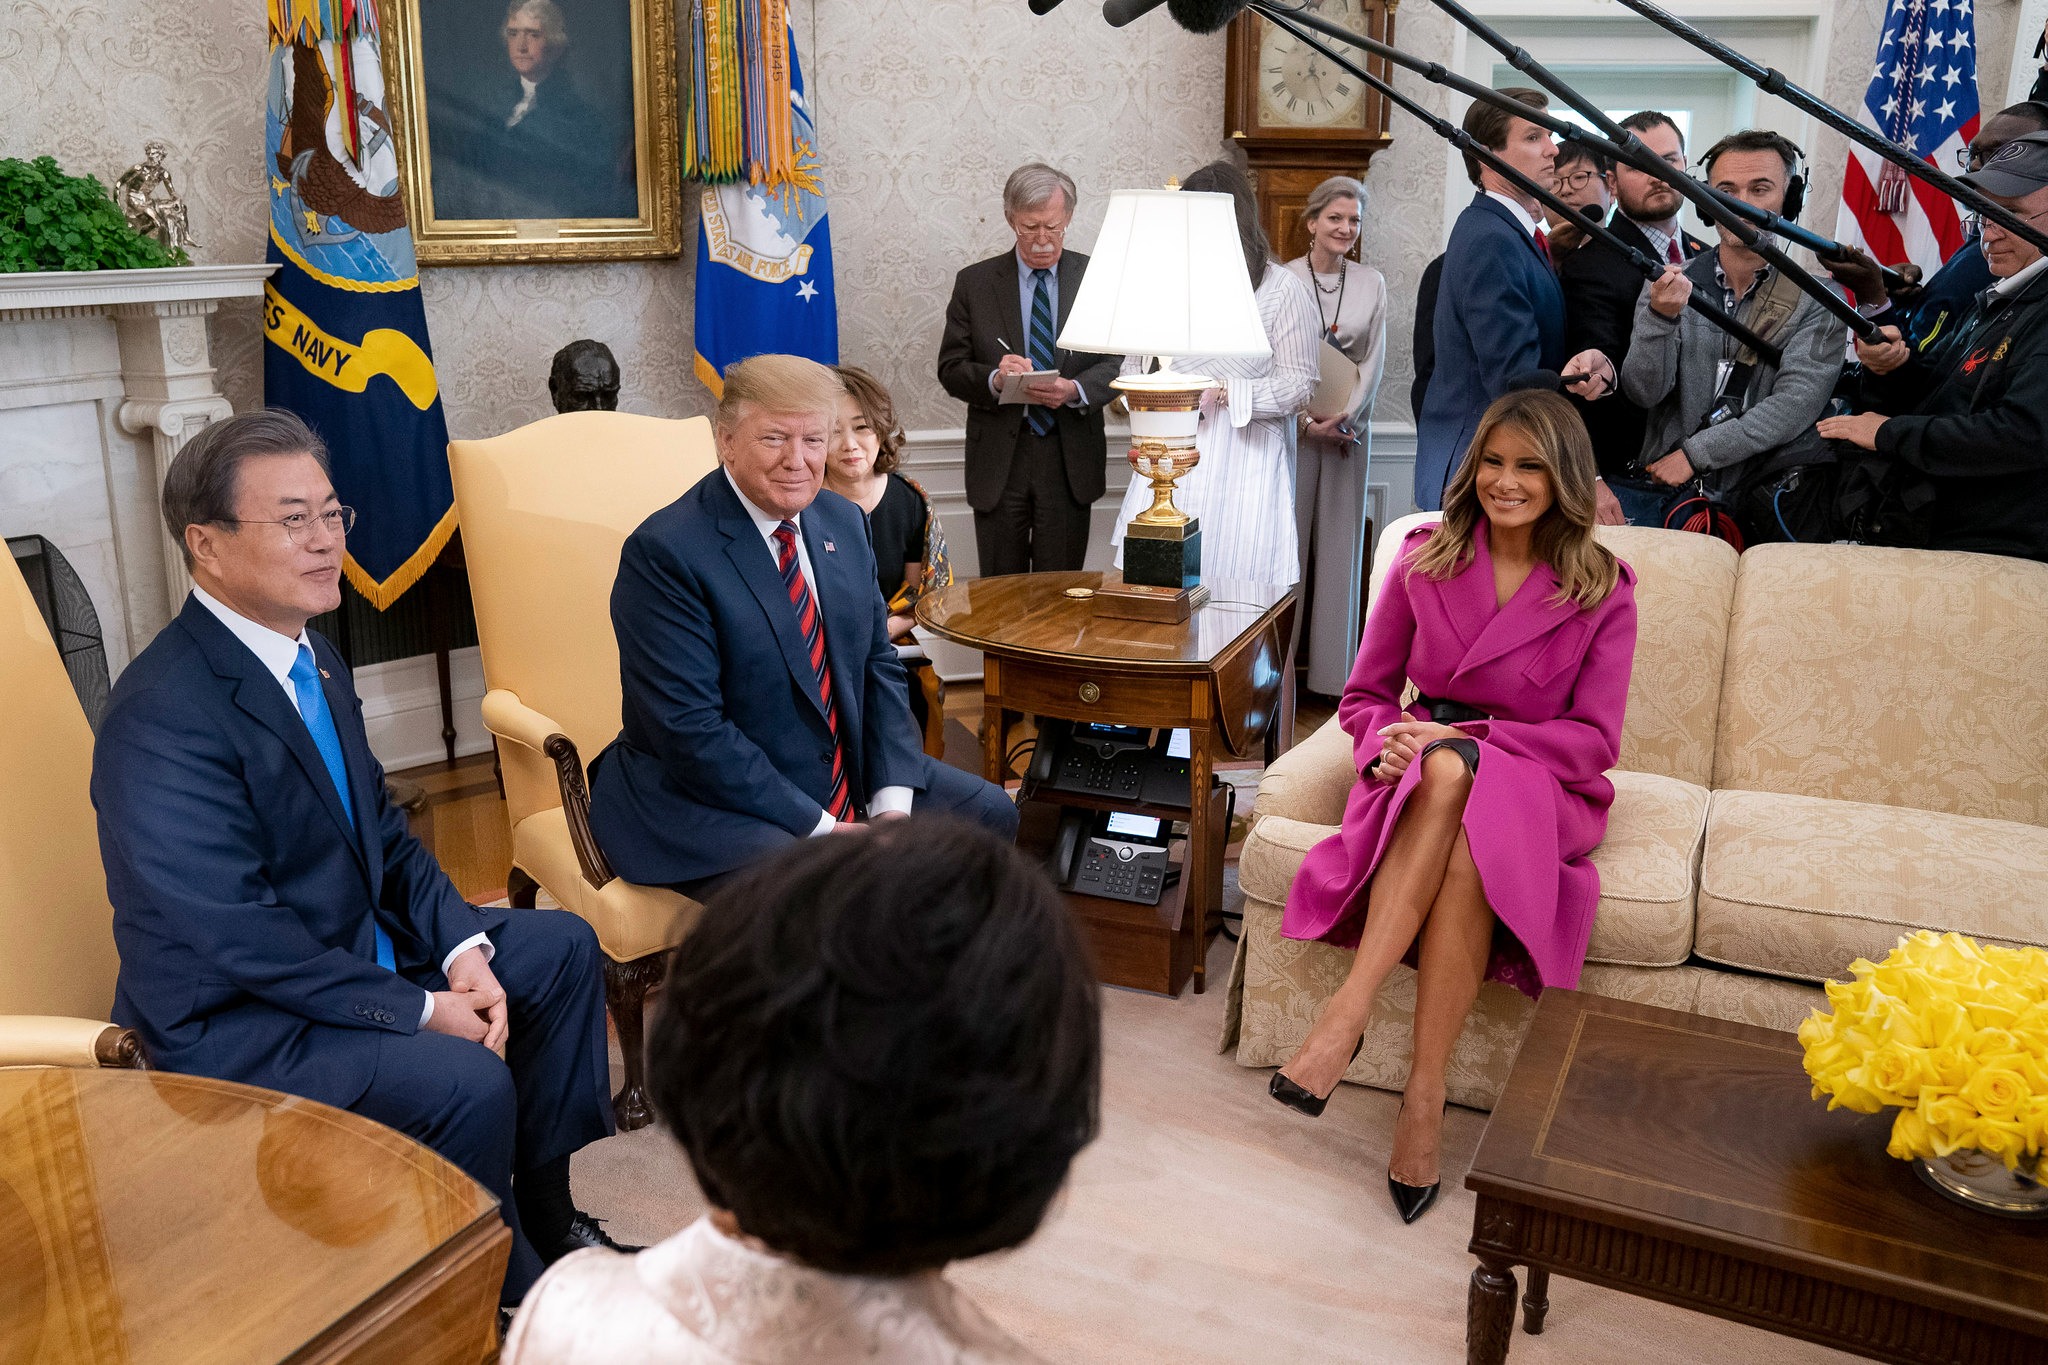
[1774, 82]
[1464, 142]
[1702, 198]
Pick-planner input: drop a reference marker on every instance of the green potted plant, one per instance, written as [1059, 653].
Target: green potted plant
[53, 221]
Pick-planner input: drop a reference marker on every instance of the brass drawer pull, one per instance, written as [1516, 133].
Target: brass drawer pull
[1090, 693]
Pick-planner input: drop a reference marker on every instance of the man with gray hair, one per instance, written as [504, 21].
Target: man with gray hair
[1034, 469]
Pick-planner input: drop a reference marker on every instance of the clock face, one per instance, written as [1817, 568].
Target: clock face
[1301, 88]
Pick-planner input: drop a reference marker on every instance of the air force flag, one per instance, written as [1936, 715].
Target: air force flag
[764, 262]
[345, 334]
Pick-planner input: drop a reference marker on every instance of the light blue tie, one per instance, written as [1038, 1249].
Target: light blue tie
[320, 723]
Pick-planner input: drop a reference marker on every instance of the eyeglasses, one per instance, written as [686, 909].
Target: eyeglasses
[1576, 180]
[1976, 222]
[1051, 232]
[299, 525]
[1966, 157]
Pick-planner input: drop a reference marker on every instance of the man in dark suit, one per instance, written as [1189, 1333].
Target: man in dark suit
[1601, 288]
[1033, 469]
[763, 700]
[277, 924]
[1499, 311]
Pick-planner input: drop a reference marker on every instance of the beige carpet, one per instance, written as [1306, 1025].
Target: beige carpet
[1208, 1224]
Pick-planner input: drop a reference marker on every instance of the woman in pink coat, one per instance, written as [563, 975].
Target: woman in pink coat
[1465, 844]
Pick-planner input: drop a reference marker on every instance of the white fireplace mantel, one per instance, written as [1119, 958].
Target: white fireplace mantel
[104, 375]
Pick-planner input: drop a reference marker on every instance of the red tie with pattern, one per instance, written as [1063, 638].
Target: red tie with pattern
[1677, 257]
[1543, 245]
[813, 629]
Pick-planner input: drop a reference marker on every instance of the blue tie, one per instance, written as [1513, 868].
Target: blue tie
[1041, 345]
[320, 723]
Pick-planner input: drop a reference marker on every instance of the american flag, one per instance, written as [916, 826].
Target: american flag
[1922, 95]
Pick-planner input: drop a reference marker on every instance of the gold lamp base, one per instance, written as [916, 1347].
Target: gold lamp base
[1165, 410]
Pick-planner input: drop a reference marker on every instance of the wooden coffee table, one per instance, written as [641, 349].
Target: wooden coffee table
[1681, 1158]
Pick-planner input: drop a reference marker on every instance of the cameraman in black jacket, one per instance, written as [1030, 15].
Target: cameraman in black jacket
[1972, 415]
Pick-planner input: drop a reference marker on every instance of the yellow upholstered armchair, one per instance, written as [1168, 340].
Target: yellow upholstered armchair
[544, 512]
[57, 969]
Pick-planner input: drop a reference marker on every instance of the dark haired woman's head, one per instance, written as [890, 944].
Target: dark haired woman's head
[882, 1051]
[1221, 177]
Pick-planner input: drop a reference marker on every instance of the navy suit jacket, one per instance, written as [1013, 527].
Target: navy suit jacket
[244, 905]
[1499, 313]
[724, 752]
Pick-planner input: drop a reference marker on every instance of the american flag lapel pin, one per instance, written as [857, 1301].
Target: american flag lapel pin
[325, 674]
[830, 549]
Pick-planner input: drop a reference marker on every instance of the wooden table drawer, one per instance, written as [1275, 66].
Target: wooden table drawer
[1088, 694]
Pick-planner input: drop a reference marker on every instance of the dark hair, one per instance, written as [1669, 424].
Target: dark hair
[1221, 177]
[1488, 124]
[1756, 140]
[879, 409]
[881, 1052]
[203, 480]
[1644, 120]
[1572, 153]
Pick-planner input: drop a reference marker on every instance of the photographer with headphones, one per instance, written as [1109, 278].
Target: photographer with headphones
[1714, 407]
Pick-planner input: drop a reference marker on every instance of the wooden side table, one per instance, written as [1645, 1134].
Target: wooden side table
[147, 1216]
[1225, 675]
[1682, 1158]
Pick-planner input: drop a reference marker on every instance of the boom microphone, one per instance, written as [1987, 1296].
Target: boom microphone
[1044, 6]
[1196, 16]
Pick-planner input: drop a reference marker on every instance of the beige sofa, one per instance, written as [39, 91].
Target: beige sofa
[1826, 746]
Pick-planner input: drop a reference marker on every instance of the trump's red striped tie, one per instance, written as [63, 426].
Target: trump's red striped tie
[813, 630]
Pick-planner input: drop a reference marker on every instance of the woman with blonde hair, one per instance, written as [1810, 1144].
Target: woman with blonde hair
[1465, 845]
[1335, 456]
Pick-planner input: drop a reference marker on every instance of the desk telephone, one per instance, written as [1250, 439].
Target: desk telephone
[1118, 762]
[1114, 854]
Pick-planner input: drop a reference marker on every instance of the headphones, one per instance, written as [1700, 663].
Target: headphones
[1795, 184]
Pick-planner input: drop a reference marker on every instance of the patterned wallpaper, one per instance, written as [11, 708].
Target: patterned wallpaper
[923, 107]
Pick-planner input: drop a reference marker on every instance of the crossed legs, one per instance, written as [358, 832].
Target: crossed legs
[1426, 893]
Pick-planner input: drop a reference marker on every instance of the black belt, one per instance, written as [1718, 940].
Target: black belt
[1449, 712]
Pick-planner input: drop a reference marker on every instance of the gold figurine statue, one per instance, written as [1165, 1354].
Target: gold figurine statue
[151, 203]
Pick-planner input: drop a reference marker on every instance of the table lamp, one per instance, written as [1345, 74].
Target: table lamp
[1166, 278]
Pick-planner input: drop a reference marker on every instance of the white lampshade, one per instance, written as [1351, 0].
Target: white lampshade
[1167, 278]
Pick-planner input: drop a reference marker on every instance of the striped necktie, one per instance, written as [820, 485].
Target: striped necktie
[1041, 344]
[813, 630]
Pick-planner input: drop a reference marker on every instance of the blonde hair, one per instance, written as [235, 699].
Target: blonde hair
[1563, 538]
[1329, 192]
[778, 383]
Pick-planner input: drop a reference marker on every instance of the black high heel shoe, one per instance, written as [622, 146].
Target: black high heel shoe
[1300, 1097]
[1412, 1201]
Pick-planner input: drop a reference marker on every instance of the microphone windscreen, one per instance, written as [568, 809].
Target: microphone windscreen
[1548, 380]
[1044, 6]
[1121, 12]
[1203, 16]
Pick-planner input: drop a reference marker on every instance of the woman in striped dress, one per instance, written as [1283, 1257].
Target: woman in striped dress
[1243, 490]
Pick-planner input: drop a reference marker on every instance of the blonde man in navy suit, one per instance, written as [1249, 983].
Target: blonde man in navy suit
[277, 924]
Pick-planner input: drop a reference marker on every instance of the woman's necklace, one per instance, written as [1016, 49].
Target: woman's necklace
[1337, 313]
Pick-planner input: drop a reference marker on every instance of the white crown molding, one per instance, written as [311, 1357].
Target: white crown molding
[36, 295]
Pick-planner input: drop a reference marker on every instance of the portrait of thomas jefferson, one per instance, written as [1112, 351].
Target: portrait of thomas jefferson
[527, 117]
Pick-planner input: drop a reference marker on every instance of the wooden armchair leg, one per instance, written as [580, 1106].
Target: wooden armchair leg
[625, 993]
[520, 889]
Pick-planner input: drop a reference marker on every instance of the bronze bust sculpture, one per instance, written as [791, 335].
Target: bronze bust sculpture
[150, 201]
[584, 378]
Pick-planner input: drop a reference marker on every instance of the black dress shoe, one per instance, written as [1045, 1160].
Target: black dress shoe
[1412, 1201]
[583, 1231]
[1300, 1097]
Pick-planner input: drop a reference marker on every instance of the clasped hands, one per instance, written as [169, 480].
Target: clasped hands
[473, 1006]
[1051, 393]
[1405, 739]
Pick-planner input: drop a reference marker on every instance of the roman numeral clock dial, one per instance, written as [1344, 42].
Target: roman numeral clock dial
[1298, 117]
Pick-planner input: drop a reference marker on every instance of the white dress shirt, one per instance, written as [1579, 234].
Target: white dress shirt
[277, 653]
[527, 90]
[885, 799]
[1514, 206]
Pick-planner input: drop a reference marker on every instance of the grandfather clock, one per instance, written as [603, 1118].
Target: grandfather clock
[1299, 118]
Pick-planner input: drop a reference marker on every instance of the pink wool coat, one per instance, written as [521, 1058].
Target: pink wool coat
[1554, 679]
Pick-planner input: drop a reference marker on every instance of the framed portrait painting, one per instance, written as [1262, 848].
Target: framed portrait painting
[536, 130]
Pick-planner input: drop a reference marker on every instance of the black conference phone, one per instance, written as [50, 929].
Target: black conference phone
[1116, 762]
[1114, 854]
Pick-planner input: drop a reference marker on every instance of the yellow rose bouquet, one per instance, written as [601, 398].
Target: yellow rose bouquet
[1952, 1033]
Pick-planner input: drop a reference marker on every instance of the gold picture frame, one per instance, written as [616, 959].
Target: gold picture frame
[509, 198]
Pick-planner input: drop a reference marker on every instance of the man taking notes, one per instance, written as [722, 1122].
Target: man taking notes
[277, 924]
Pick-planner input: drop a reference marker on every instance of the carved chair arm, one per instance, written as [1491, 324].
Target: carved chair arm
[509, 718]
[51, 1040]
